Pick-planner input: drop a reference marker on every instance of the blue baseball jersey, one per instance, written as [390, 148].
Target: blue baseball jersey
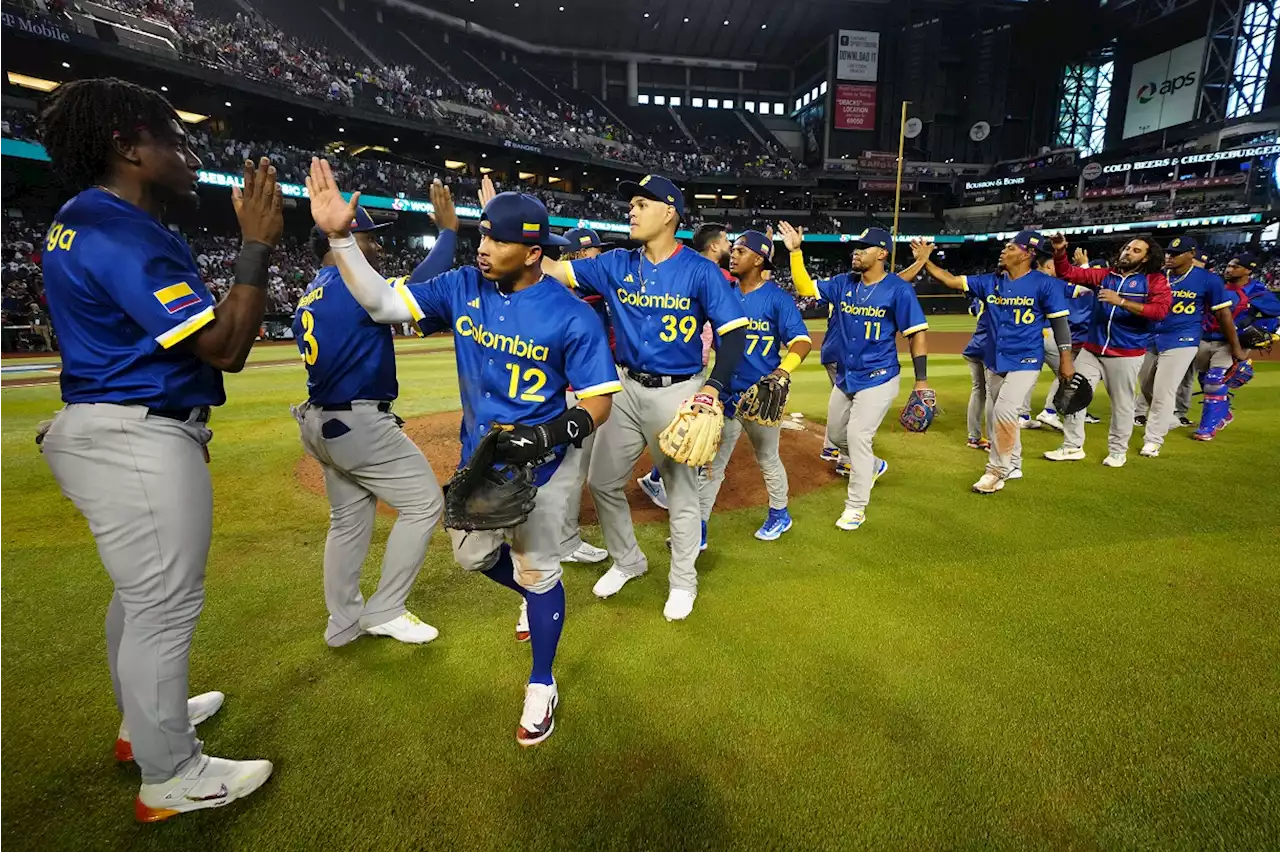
[1196, 295]
[773, 321]
[868, 316]
[658, 310]
[1080, 305]
[123, 292]
[517, 352]
[1264, 305]
[1018, 309]
[977, 346]
[348, 355]
[1238, 303]
[830, 351]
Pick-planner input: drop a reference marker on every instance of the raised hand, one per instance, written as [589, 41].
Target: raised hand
[259, 206]
[1058, 241]
[444, 214]
[921, 248]
[487, 190]
[791, 237]
[331, 212]
[1080, 257]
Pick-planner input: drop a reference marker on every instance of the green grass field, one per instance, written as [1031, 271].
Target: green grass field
[1088, 660]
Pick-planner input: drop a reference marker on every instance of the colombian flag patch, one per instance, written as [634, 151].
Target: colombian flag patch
[175, 297]
[531, 229]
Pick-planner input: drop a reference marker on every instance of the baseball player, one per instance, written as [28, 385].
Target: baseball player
[347, 425]
[773, 321]
[1080, 302]
[583, 243]
[711, 240]
[520, 340]
[1196, 293]
[1018, 304]
[144, 347]
[659, 297]
[873, 306]
[975, 418]
[1264, 304]
[1131, 298]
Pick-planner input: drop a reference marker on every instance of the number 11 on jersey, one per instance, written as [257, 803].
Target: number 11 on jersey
[873, 330]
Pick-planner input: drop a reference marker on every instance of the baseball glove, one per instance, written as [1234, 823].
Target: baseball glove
[693, 436]
[1238, 375]
[917, 414]
[1252, 337]
[1073, 396]
[765, 401]
[482, 496]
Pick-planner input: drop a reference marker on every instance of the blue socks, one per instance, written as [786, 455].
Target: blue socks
[546, 615]
[546, 620]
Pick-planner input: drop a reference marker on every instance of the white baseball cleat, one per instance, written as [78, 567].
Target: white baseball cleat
[882, 467]
[587, 553]
[1150, 450]
[407, 628]
[851, 520]
[199, 708]
[1090, 419]
[522, 623]
[1016, 473]
[655, 490]
[679, 605]
[1025, 422]
[1065, 454]
[988, 484]
[1115, 460]
[610, 583]
[211, 782]
[1050, 419]
[538, 719]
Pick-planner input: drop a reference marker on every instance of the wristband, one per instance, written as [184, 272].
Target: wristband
[251, 264]
[790, 362]
[342, 242]
[919, 363]
[572, 427]
[713, 383]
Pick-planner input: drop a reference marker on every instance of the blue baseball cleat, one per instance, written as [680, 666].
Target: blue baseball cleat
[830, 454]
[778, 522]
[654, 489]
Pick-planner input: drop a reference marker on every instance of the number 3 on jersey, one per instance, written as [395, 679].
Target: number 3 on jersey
[686, 327]
[533, 379]
[312, 346]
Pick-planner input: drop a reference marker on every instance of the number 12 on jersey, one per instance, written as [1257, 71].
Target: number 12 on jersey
[532, 381]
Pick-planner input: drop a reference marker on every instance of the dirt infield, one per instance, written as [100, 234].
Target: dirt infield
[437, 435]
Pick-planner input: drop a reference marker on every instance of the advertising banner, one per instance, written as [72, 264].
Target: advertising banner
[1163, 89]
[855, 107]
[857, 55]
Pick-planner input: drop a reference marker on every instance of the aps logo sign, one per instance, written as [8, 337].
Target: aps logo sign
[1150, 89]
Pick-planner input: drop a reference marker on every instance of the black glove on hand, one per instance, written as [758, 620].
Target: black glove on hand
[520, 444]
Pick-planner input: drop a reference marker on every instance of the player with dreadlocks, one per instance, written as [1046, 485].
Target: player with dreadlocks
[144, 347]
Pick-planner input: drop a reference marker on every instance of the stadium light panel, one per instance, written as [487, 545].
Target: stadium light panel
[484, 170]
[454, 164]
[553, 179]
[527, 175]
[190, 117]
[66, 65]
[37, 83]
[660, 100]
[713, 103]
[729, 197]
[728, 104]
[697, 102]
[675, 101]
[704, 196]
[642, 99]
[749, 106]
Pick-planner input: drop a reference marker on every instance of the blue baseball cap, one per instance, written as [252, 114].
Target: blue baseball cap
[1181, 245]
[1033, 241]
[656, 187]
[360, 223]
[1202, 256]
[1099, 263]
[758, 243]
[1246, 259]
[877, 237]
[582, 238]
[513, 217]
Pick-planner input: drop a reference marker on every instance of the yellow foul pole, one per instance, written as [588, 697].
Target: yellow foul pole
[897, 189]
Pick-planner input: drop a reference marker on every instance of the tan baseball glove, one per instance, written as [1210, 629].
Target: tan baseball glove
[693, 436]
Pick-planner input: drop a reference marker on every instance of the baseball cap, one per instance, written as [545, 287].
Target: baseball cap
[1246, 259]
[513, 217]
[877, 237]
[656, 187]
[1181, 245]
[1098, 263]
[1202, 256]
[361, 222]
[758, 243]
[1032, 241]
[581, 238]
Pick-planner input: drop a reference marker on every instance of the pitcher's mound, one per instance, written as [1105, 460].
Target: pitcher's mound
[437, 435]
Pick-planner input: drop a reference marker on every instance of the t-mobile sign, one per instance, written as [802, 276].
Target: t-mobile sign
[855, 107]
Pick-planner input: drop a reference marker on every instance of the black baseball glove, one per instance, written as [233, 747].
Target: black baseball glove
[766, 400]
[483, 495]
[1252, 337]
[1073, 396]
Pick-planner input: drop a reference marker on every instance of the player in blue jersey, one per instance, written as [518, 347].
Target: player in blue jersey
[347, 425]
[1080, 305]
[1264, 304]
[1018, 303]
[144, 347]
[1175, 340]
[975, 417]
[659, 298]
[872, 306]
[521, 340]
[774, 321]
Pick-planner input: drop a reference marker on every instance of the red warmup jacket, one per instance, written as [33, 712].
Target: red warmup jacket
[1113, 330]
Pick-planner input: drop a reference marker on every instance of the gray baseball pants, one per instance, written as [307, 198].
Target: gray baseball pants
[1053, 361]
[764, 440]
[578, 461]
[852, 422]
[143, 485]
[372, 460]
[1162, 387]
[1212, 353]
[1006, 395]
[1182, 399]
[639, 414]
[1120, 374]
[832, 371]
[977, 397]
